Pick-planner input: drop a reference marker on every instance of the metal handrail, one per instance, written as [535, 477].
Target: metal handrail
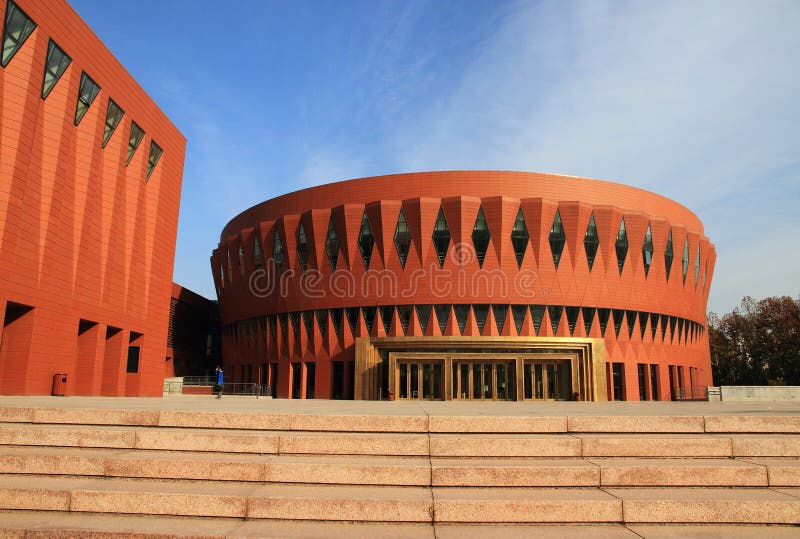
[696, 393]
[199, 380]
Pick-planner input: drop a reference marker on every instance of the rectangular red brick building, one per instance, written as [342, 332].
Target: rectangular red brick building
[90, 182]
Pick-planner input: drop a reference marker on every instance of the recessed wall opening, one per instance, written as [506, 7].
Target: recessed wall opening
[87, 365]
[15, 344]
[134, 351]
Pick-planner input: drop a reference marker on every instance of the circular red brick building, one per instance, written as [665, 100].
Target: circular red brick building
[467, 285]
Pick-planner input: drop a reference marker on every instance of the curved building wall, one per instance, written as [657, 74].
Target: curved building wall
[516, 264]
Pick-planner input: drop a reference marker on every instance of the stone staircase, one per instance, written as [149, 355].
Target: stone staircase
[88, 472]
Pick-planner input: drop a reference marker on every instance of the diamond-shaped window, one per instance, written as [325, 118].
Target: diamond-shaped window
[366, 240]
[332, 244]
[423, 315]
[669, 254]
[481, 312]
[18, 26]
[302, 248]
[697, 266]
[442, 314]
[402, 238]
[685, 260]
[277, 249]
[647, 250]
[256, 251]
[520, 237]
[55, 65]
[591, 241]
[441, 237]
[480, 236]
[621, 245]
[86, 93]
[557, 239]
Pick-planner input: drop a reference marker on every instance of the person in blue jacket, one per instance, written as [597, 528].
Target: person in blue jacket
[220, 380]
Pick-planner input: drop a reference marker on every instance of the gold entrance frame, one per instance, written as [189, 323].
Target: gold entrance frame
[587, 356]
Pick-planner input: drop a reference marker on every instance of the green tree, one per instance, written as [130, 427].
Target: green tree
[758, 343]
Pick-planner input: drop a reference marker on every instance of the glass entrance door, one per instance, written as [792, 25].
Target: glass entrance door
[420, 379]
[484, 379]
[547, 379]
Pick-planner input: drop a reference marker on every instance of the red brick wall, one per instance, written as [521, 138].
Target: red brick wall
[461, 194]
[82, 236]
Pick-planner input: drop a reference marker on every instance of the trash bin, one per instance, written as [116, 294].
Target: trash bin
[59, 384]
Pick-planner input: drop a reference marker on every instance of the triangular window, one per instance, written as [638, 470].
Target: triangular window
[630, 317]
[664, 321]
[618, 315]
[366, 240]
[653, 325]
[424, 315]
[481, 312]
[135, 138]
[257, 255]
[369, 317]
[572, 318]
[322, 321]
[56, 63]
[685, 260]
[680, 329]
[402, 238]
[352, 318]
[442, 314]
[404, 314]
[18, 26]
[462, 311]
[277, 249]
[557, 239]
[697, 267]
[647, 250]
[294, 320]
[672, 321]
[520, 237]
[308, 322]
[602, 316]
[480, 236]
[537, 314]
[114, 115]
[588, 318]
[302, 248]
[555, 316]
[387, 311]
[336, 318]
[500, 313]
[591, 241]
[273, 326]
[86, 93]
[441, 237]
[332, 244]
[518, 312]
[155, 155]
[621, 245]
[669, 254]
[642, 322]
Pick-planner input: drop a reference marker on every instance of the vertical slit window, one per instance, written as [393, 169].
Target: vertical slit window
[366, 240]
[135, 138]
[480, 236]
[17, 28]
[256, 251]
[500, 313]
[155, 155]
[277, 249]
[302, 248]
[669, 254]
[647, 250]
[621, 245]
[685, 260]
[55, 65]
[402, 238]
[591, 242]
[113, 116]
[86, 94]
[520, 237]
[697, 267]
[332, 245]
[442, 314]
[441, 237]
[424, 315]
[557, 239]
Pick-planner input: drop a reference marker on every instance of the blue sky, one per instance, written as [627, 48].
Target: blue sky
[697, 101]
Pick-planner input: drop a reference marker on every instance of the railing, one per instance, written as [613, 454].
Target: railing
[236, 388]
[697, 393]
[199, 380]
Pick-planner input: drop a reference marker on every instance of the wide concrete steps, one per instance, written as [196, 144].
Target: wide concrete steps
[462, 475]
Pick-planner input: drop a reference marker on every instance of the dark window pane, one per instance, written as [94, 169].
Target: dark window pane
[86, 94]
[441, 237]
[332, 244]
[387, 312]
[462, 311]
[18, 26]
[56, 63]
[352, 318]
[113, 116]
[135, 138]
[402, 238]
[537, 314]
[557, 239]
[366, 240]
[155, 155]
[277, 249]
[257, 255]
[621, 245]
[591, 241]
[555, 316]
[518, 312]
[572, 318]
[369, 317]
[602, 316]
[500, 313]
[685, 260]
[322, 321]
[668, 254]
[302, 248]
[404, 314]
[423, 315]
[647, 250]
[481, 312]
[442, 314]
[480, 236]
[630, 317]
[697, 266]
[618, 315]
[520, 237]
[588, 317]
